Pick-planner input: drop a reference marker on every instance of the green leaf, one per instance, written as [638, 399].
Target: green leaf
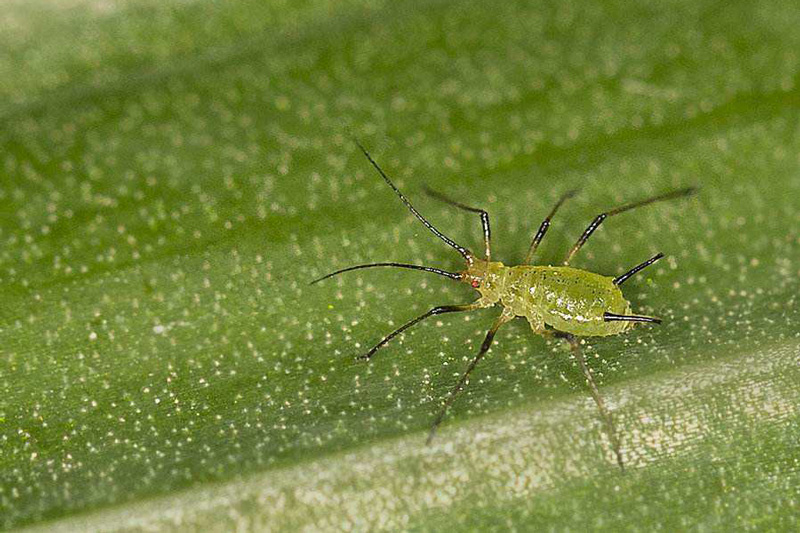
[173, 174]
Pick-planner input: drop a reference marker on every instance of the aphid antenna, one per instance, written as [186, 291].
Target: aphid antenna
[450, 242]
[619, 280]
[445, 273]
[611, 317]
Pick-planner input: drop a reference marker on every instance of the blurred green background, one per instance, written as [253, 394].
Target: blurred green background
[173, 173]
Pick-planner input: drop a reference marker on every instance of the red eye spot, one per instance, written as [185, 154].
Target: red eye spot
[475, 283]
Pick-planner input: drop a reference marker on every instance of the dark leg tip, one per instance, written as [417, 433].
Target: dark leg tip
[429, 440]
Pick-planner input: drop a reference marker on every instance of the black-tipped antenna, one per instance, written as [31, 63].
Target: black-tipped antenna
[611, 317]
[463, 251]
[451, 275]
[619, 280]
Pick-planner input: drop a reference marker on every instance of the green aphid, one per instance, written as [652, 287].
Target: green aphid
[560, 301]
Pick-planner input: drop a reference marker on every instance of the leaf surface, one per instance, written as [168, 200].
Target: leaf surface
[175, 173]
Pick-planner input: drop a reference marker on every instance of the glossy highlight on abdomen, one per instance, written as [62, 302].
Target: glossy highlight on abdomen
[567, 299]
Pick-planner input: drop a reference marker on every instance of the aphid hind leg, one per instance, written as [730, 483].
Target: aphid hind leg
[439, 310]
[487, 343]
[621, 209]
[487, 232]
[598, 399]
[545, 225]
[619, 280]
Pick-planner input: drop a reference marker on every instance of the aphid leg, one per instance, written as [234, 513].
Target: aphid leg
[440, 310]
[619, 280]
[546, 225]
[487, 342]
[487, 233]
[621, 209]
[598, 399]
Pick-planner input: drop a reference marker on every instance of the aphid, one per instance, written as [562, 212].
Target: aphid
[561, 301]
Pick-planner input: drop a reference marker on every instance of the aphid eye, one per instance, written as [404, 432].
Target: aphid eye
[475, 283]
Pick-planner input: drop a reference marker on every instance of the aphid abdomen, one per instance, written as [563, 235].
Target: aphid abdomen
[572, 300]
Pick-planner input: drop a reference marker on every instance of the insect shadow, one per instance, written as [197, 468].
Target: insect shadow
[559, 301]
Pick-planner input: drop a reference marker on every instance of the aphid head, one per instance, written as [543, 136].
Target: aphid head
[482, 275]
[475, 274]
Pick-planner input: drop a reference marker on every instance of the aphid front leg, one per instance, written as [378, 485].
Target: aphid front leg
[487, 232]
[598, 399]
[537, 324]
[439, 310]
[487, 342]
